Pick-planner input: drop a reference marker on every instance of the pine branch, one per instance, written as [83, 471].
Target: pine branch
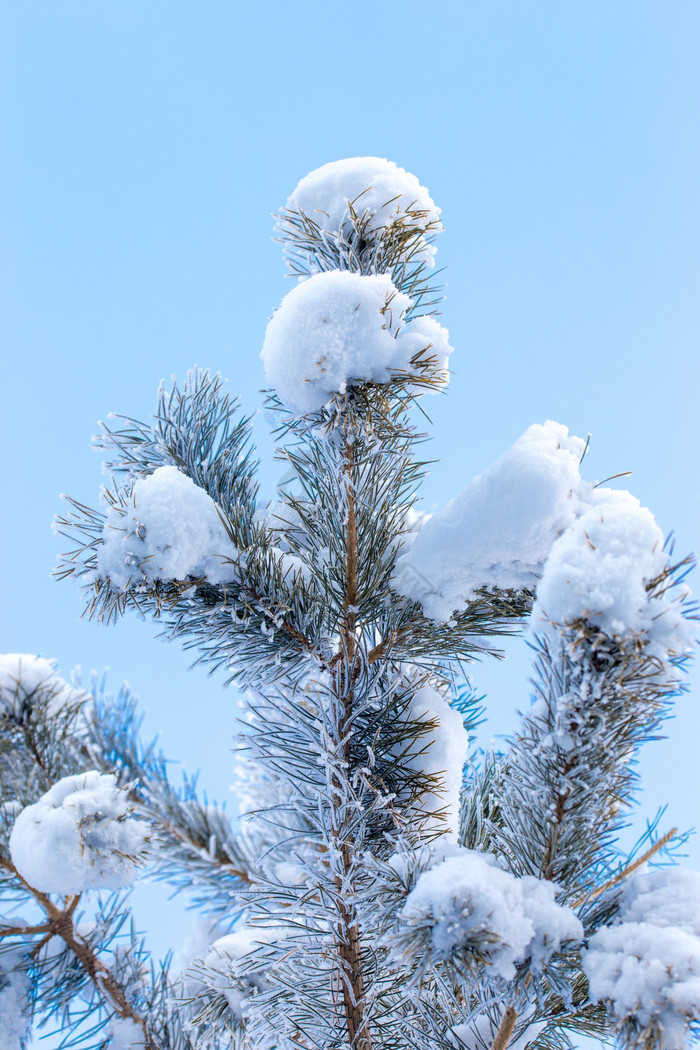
[351, 974]
[60, 923]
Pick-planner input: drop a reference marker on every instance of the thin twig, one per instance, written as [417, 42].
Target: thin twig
[627, 871]
[60, 923]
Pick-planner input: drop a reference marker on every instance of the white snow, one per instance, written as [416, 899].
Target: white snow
[372, 185]
[126, 1034]
[337, 328]
[468, 894]
[440, 752]
[78, 836]
[169, 529]
[648, 962]
[500, 529]
[227, 951]
[28, 679]
[598, 571]
[14, 1006]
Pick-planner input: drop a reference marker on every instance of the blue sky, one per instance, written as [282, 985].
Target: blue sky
[145, 146]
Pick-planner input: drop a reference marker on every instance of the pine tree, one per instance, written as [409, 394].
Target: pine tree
[389, 887]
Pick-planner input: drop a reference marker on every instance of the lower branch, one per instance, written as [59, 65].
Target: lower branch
[60, 924]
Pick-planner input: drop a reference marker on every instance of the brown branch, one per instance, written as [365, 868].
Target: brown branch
[348, 938]
[505, 1029]
[60, 923]
[627, 871]
[23, 931]
[553, 839]
[379, 650]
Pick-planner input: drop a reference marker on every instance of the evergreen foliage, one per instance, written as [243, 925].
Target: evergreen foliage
[350, 904]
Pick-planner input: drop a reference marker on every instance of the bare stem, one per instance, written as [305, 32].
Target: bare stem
[348, 939]
[505, 1029]
[627, 871]
[60, 924]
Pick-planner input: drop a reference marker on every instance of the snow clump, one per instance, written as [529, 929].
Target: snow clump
[168, 528]
[224, 958]
[126, 1035]
[440, 752]
[26, 679]
[337, 328]
[15, 1010]
[79, 836]
[500, 529]
[647, 964]
[377, 189]
[468, 901]
[599, 570]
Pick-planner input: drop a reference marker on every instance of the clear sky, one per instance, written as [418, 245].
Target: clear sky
[145, 146]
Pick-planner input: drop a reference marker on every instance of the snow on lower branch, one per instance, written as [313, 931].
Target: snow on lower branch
[339, 328]
[166, 528]
[28, 680]
[377, 190]
[500, 529]
[647, 964]
[79, 836]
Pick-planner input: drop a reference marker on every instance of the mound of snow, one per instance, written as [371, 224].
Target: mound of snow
[500, 529]
[599, 571]
[340, 328]
[168, 529]
[468, 896]
[375, 188]
[647, 964]
[26, 679]
[78, 836]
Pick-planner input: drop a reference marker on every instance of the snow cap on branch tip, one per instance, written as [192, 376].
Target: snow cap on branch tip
[165, 528]
[601, 569]
[467, 901]
[25, 678]
[79, 836]
[500, 529]
[647, 962]
[340, 328]
[376, 188]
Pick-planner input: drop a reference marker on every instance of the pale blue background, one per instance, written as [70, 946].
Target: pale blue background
[145, 145]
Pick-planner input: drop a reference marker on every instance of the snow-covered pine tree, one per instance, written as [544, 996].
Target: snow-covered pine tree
[388, 889]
